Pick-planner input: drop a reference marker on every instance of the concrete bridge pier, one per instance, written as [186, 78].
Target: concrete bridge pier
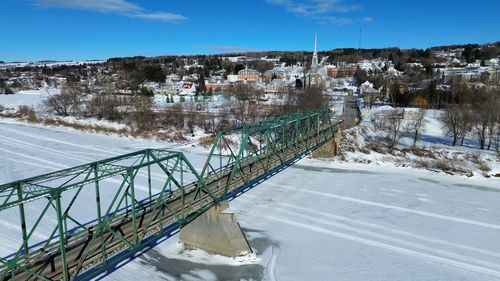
[216, 231]
[330, 149]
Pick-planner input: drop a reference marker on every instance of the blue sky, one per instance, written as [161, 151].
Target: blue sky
[100, 29]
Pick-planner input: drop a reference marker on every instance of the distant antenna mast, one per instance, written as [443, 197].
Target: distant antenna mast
[359, 41]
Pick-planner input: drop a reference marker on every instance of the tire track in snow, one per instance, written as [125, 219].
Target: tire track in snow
[391, 207]
[406, 243]
[395, 231]
[271, 266]
[111, 153]
[17, 161]
[346, 227]
[347, 221]
[85, 159]
[67, 155]
[483, 271]
[17, 142]
[59, 166]
[54, 164]
[59, 141]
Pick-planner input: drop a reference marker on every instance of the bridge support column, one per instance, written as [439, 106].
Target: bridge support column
[330, 149]
[216, 231]
[336, 142]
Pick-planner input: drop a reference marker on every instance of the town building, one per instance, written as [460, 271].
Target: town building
[276, 88]
[273, 74]
[173, 77]
[187, 89]
[341, 70]
[248, 75]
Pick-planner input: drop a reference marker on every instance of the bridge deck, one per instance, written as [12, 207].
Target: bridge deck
[85, 250]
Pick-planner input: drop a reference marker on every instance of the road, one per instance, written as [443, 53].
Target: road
[351, 112]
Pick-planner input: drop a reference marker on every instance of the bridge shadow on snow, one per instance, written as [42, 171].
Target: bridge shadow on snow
[182, 269]
[118, 261]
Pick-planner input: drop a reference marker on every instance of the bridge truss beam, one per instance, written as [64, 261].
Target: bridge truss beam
[104, 208]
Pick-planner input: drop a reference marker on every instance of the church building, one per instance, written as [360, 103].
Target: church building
[313, 78]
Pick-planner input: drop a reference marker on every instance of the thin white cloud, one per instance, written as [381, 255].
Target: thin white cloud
[160, 16]
[367, 20]
[320, 10]
[120, 7]
[227, 49]
[316, 7]
[348, 8]
[339, 21]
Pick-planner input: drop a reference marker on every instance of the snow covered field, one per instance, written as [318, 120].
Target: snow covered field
[30, 98]
[316, 220]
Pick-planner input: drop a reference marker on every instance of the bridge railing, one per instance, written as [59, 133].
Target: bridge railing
[253, 142]
[71, 220]
[54, 209]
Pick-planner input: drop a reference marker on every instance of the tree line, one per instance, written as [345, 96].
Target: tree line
[475, 111]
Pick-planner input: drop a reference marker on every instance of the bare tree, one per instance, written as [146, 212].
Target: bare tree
[494, 117]
[109, 106]
[191, 117]
[312, 98]
[465, 120]
[174, 116]
[416, 125]
[68, 102]
[485, 112]
[245, 96]
[480, 128]
[142, 113]
[451, 119]
[371, 97]
[288, 102]
[497, 137]
[394, 119]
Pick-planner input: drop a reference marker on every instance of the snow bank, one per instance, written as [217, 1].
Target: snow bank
[180, 251]
[367, 143]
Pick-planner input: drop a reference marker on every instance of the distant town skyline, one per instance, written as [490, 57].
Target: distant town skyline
[33, 30]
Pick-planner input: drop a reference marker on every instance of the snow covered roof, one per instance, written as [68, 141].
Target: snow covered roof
[367, 84]
[274, 71]
[277, 82]
[248, 71]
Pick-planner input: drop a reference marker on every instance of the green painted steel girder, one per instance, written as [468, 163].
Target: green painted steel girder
[37, 187]
[238, 156]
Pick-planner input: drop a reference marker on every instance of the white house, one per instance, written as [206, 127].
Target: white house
[187, 89]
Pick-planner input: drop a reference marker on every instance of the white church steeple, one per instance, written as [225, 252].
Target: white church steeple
[313, 78]
[314, 64]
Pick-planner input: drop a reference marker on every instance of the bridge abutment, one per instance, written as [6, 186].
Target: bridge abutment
[331, 148]
[216, 231]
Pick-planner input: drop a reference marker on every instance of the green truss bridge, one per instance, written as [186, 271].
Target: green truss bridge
[80, 222]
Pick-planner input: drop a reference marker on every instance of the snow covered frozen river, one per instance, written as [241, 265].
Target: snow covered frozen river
[316, 220]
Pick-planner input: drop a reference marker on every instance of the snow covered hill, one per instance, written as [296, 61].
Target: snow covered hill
[367, 143]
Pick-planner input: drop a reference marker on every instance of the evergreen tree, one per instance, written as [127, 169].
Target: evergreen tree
[468, 53]
[154, 73]
[146, 92]
[8, 91]
[361, 76]
[202, 88]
